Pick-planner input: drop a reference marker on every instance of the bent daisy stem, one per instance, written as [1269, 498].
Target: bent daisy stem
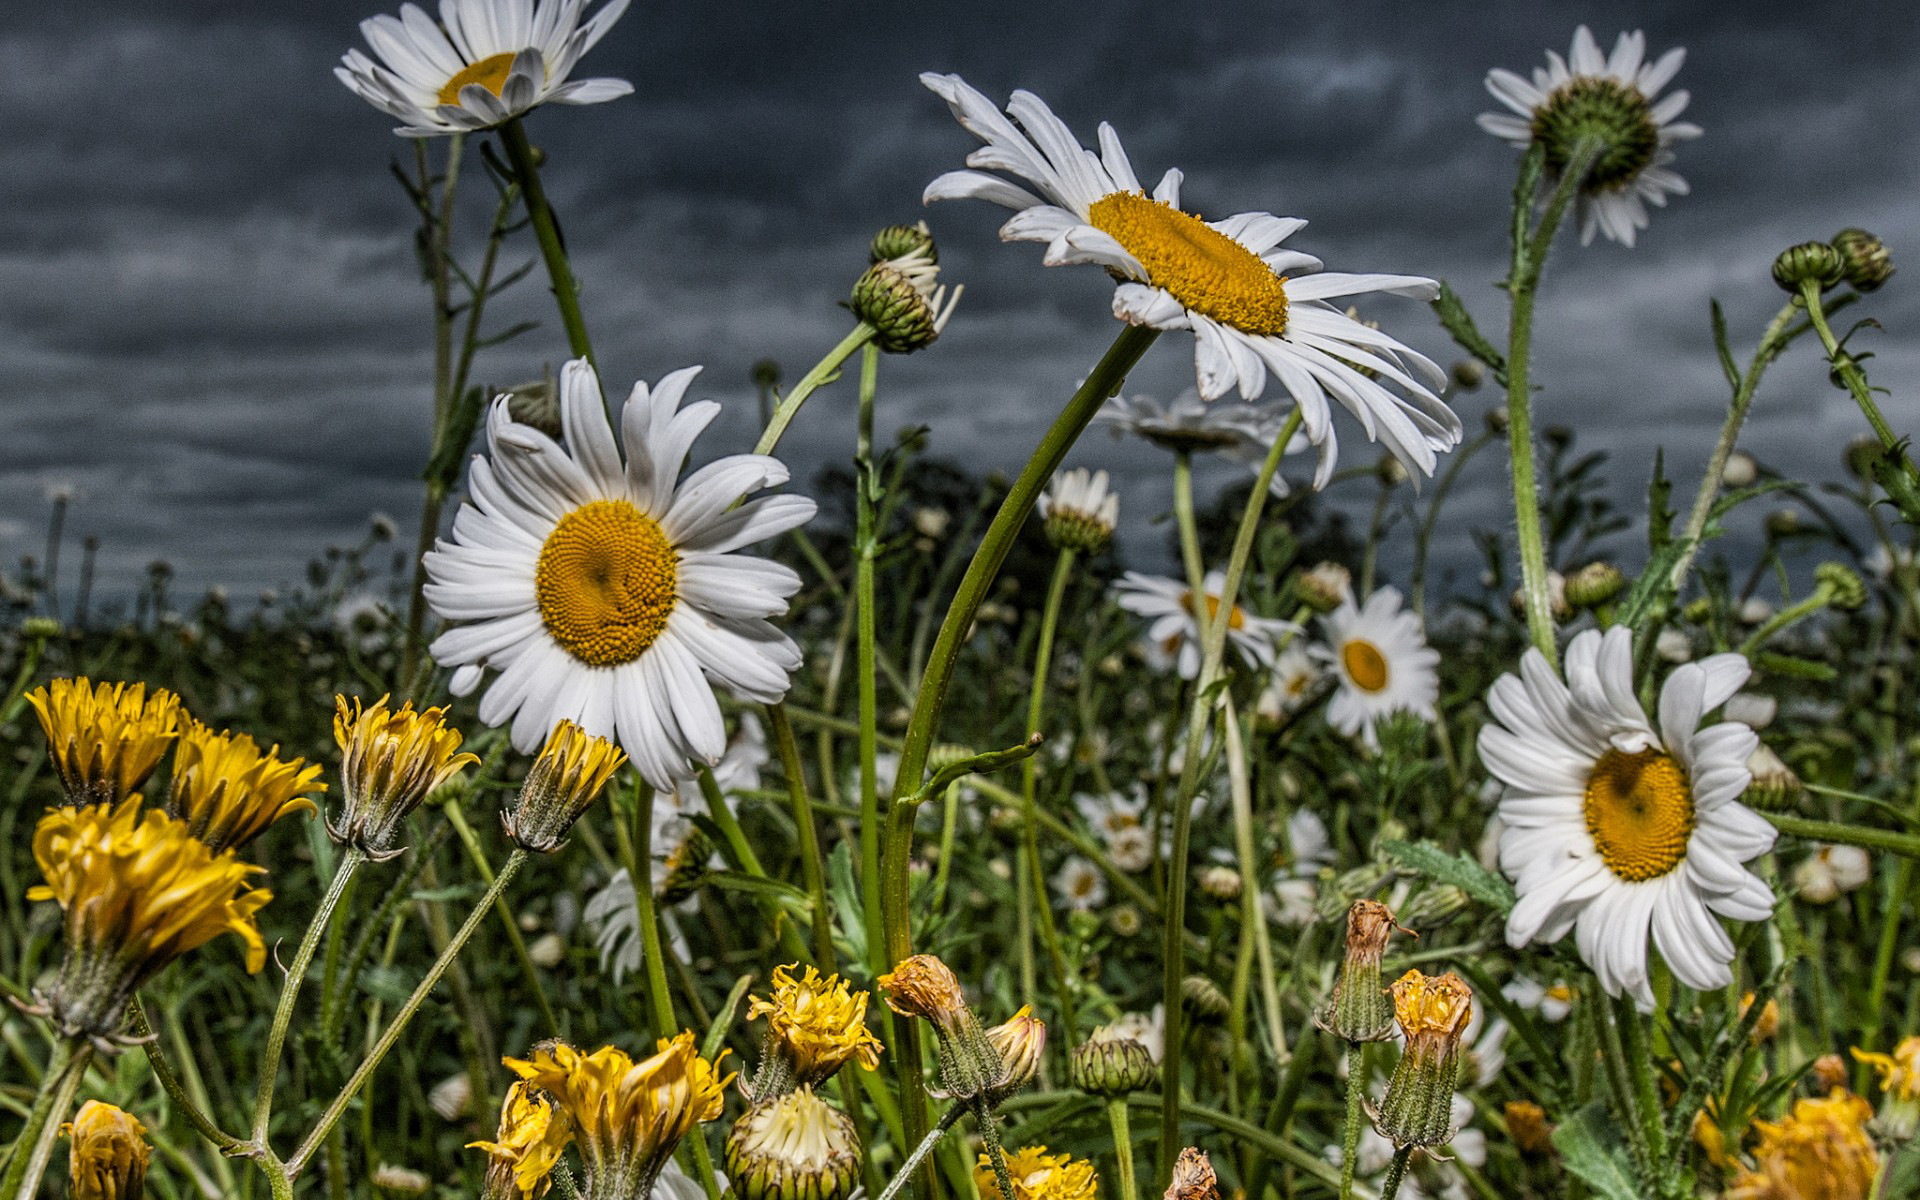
[478, 857]
[1848, 369]
[865, 635]
[1029, 780]
[33, 1149]
[566, 292]
[170, 1083]
[1199, 715]
[823, 372]
[290, 993]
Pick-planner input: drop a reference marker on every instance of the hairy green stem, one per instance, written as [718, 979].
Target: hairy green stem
[1848, 369]
[290, 992]
[546, 231]
[528, 971]
[824, 372]
[1122, 1148]
[1904, 844]
[33, 1149]
[1350, 1133]
[1029, 776]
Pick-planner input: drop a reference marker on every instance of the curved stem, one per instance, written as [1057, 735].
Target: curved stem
[566, 291]
[478, 857]
[824, 372]
[170, 1083]
[789, 750]
[1849, 370]
[290, 993]
[1396, 1171]
[1253, 907]
[1036, 701]
[33, 1149]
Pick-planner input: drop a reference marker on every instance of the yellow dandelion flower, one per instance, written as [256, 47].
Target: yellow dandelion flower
[1899, 1073]
[390, 761]
[1038, 1175]
[1433, 1012]
[1820, 1151]
[107, 738]
[229, 793]
[815, 1023]
[139, 890]
[533, 1134]
[628, 1116]
[109, 1155]
[572, 769]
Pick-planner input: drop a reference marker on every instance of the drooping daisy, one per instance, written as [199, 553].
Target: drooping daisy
[1617, 827]
[1169, 605]
[1078, 510]
[1382, 661]
[482, 64]
[1252, 305]
[1612, 98]
[608, 593]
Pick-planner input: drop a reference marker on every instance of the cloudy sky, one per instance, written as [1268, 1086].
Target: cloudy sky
[214, 333]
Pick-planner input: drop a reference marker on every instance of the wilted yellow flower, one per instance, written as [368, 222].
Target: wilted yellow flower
[793, 1147]
[572, 769]
[533, 1134]
[1528, 1129]
[105, 739]
[1038, 1175]
[139, 891]
[390, 760]
[229, 793]
[628, 1116]
[1899, 1073]
[108, 1159]
[1821, 1151]
[1359, 1010]
[1021, 1039]
[815, 1023]
[1767, 1025]
[923, 986]
[1433, 1013]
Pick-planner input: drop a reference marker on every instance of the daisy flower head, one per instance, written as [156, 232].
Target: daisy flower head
[1253, 306]
[1619, 826]
[1169, 605]
[483, 63]
[1294, 674]
[1613, 99]
[1382, 661]
[609, 593]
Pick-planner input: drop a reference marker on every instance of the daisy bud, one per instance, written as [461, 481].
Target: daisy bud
[815, 1024]
[1753, 611]
[229, 793]
[1078, 511]
[537, 403]
[1360, 1009]
[1391, 471]
[1528, 1129]
[1433, 1014]
[1557, 603]
[1037, 1175]
[1469, 373]
[923, 986]
[686, 863]
[1324, 586]
[900, 296]
[1775, 788]
[1203, 998]
[108, 1158]
[390, 761]
[1842, 584]
[1435, 905]
[793, 1147]
[1222, 883]
[1111, 1063]
[931, 522]
[1741, 470]
[1497, 420]
[104, 739]
[903, 241]
[1866, 263]
[39, 629]
[1809, 262]
[1782, 522]
[572, 769]
[534, 1132]
[1593, 585]
[1020, 1040]
[405, 1181]
[1193, 1177]
[1862, 456]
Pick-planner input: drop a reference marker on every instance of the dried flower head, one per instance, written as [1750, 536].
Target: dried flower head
[390, 761]
[533, 1134]
[923, 986]
[1820, 1151]
[815, 1023]
[105, 739]
[108, 1159]
[1433, 1013]
[1193, 1177]
[1360, 1009]
[230, 793]
[573, 769]
[793, 1147]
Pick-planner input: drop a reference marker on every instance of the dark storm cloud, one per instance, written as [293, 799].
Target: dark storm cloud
[215, 333]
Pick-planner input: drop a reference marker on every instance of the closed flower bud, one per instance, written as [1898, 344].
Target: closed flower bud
[572, 769]
[1324, 586]
[1866, 264]
[1498, 419]
[1469, 373]
[686, 865]
[1782, 522]
[39, 629]
[1434, 905]
[1528, 1130]
[1594, 584]
[793, 1147]
[1842, 584]
[108, 1158]
[1020, 1041]
[537, 403]
[1863, 455]
[1360, 1009]
[1741, 470]
[903, 241]
[1222, 883]
[1809, 262]
[1557, 603]
[1433, 1014]
[390, 761]
[1203, 998]
[1775, 788]
[1111, 1063]
[1828, 1072]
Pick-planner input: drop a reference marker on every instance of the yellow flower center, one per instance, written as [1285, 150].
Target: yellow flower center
[1365, 665]
[1640, 813]
[1202, 268]
[490, 73]
[1235, 619]
[605, 582]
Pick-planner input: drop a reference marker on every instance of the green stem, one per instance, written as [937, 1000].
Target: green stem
[789, 749]
[477, 856]
[290, 992]
[1253, 907]
[1787, 616]
[566, 291]
[1905, 844]
[1350, 1135]
[1029, 775]
[66, 1065]
[921, 1151]
[824, 372]
[170, 1083]
[640, 870]
[1849, 370]
[1640, 1064]
[865, 550]
[439, 235]
[1304, 1161]
[1122, 1147]
[1396, 1171]
[740, 850]
[400, 1019]
[1456, 463]
[1883, 957]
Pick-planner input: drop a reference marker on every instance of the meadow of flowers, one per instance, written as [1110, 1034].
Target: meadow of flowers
[643, 829]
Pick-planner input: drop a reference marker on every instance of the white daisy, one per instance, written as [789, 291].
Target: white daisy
[1553, 1003]
[1169, 605]
[1080, 884]
[1236, 430]
[1253, 306]
[1310, 843]
[1079, 510]
[1149, 1029]
[1382, 661]
[1111, 812]
[482, 64]
[1294, 674]
[1618, 827]
[1295, 902]
[1131, 849]
[608, 593]
[1588, 94]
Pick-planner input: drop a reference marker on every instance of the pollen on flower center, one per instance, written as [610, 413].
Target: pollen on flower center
[490, 73]
[1365, 665]
[605, 582]
[1202, 268]
[1235, 619]
[1639, 809]
[1615, 113]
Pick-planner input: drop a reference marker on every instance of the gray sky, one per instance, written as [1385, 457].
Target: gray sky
[214, 332]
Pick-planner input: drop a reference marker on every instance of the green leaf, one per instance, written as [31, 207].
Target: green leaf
[1796, 668]
[1659, 495]
[1651, 587]
[754, 885]
[1594, 1155]
[1735, 499]
[1456, 320]
[1457, 869]
[1720, 344]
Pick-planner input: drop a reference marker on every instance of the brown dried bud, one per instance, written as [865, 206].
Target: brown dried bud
[1193, 1177]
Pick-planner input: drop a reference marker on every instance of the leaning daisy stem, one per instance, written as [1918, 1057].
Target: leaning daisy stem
[170, 1082]
[1101, 383]
[1529, 258]
[865, 551]
[290, 992]
[1189, 529]
[1640, 1067]
[1198, 717]
[1253, 907]
[824, 372]
[566, 290]
[1849, 370]
[478, 857]
[1904, 844]
[640, 872]
[33, 1149]
[920, 1151]
[1029, 783]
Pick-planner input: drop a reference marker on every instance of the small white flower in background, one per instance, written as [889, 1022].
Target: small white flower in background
[1237, 431]
[1149, 1029]
[482, 64]
[1613, 98]
[1823, 876]
[450, 1097]
[610, 592]
[1673, 645]
[549, 950]
[1169, 605]
[1753, 611]
[1312, 847]
[1293, 902]
[1740, 470]
[1111, 812]
[1486, 1047]
[1488, 849]
[1619, 830]
[1079, 511]
[1254, 307]
[364, 620]
[1294, 674]
[1383, 663]
[675, 1184]
[1755, 710]
[1552, 1002]
[1080, 884]
[1131, 849]
[931, 522]
[1882, 563]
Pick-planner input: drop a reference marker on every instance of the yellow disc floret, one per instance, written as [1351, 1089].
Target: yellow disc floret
[105, 739]
[229, 793]
[605, 582]
[490, 73]
[1365, 665]
[1639, 809]
[1204, 269]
